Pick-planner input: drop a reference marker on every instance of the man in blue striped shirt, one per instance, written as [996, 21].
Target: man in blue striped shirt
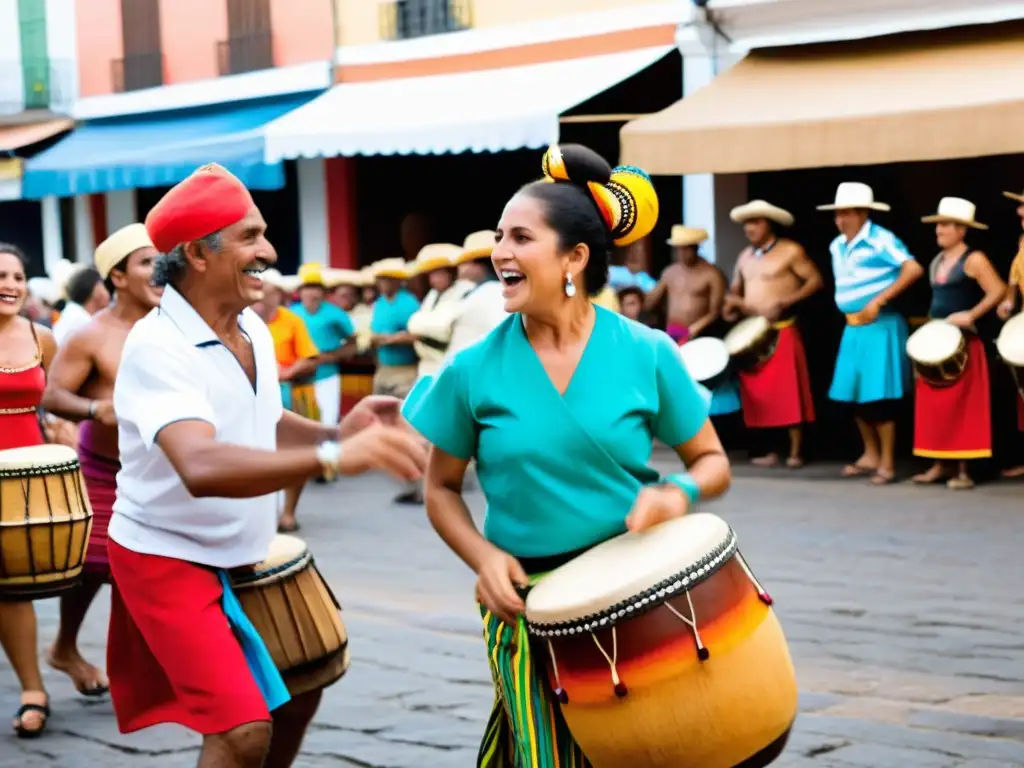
[872, 267]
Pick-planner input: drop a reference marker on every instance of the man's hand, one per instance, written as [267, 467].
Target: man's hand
[870, 313]
[373, 409]
[384, 448]
[774, 311]
[104, 413]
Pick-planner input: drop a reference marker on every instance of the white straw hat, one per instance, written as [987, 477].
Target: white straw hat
[854, 194]
[957, 210]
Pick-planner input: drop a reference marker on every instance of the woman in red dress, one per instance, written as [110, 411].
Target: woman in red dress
[25, 351]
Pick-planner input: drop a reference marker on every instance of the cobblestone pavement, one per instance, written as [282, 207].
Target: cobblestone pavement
[904, 608]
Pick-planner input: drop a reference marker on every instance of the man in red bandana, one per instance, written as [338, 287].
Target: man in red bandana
[204, 446]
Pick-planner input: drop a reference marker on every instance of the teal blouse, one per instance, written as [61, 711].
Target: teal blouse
[392, 316]
[560, 472]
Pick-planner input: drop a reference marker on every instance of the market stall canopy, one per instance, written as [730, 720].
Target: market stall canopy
[924, 96]
[478, 111]
[15, 137]
[160, 149]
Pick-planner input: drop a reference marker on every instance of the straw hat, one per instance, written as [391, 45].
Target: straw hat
[682, 236]
[761, 209]
[367, 275]
[853, 194]
[1014, 196]
[44, 289]
[337, 277]
[120, 246]
[311, 274]
[271, 276]
[289, 283]
[476, 246]
[61, 272]
[395, 267]
[435, 256]
[956, 210]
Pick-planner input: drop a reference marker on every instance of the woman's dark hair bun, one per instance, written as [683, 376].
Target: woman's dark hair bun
[577, 164]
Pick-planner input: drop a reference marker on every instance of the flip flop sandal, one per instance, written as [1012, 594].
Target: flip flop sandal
[28, 733]
[94, 691]
[288, 528]
[794, 463]
[960, 484]
[856, 470]
[880, 478]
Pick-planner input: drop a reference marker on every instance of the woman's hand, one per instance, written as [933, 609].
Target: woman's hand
[961, 320]
[656, 504]
[1005, 308]
[499, 577]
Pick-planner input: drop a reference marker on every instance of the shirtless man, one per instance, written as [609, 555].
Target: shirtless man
[772, 275]
[694, 287]
[80, 388]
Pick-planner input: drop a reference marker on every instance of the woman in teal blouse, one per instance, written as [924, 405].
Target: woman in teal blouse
[559, 407]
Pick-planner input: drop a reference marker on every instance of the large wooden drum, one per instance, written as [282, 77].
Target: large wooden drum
[751, 343]
[707, 361]
[938, 352]
[1010, 346]
[664, 651]
[45, 519]
[296, 614]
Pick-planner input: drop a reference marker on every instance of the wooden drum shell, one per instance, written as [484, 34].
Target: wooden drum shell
[45, 521]
[945, 373]
[734, 708]
[299, 619]
[757, 353]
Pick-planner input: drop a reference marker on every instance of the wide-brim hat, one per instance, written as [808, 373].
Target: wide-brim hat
[1014, 196]
[435, 256]
[396, 268]
[120, 246]
[761, 209]
[311, 274]
[333, 278]
[44, 289]
[682, 236]
[477, 245]
[367, 275]
[852, 195]
[956, 210]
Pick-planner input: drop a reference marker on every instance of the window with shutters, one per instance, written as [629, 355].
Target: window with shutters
[143, 62]
[250, 43]
[35, 57]
[404, 19]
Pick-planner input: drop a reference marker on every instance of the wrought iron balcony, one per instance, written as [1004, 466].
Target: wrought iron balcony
[245, 53]
[137, 71]
[404, 19]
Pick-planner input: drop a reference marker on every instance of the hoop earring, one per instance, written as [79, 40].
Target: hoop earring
[570, 286]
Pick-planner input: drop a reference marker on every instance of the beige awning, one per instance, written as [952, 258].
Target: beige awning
[14, 137]
[926, 96]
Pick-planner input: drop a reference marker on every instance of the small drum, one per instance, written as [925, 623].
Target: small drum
[938, 351]
[707, 360]
[45, 519]
[296, 614]
[664, 651]
[1010, 346]
[751, 343]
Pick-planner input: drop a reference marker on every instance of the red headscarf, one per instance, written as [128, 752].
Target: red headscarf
[207, 201]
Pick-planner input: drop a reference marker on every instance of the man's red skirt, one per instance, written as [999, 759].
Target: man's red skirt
[955, 422]
[778, 393]
[171, 654]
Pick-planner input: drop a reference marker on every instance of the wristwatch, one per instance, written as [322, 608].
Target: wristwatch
[329, 456]
[92, 409]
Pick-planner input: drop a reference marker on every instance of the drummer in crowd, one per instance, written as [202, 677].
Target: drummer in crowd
[204, 447]
[80, 388]
[872, 267]
[772, 276]
[599, 410]
[26, 352]
[954, 422]
[333, 334]
[1014, 290]
[691, 285]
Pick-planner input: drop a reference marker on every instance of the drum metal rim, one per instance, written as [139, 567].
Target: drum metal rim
[245, 580]
[51, 469]
[647, 600]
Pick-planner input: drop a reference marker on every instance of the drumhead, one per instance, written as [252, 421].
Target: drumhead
[1010, 343]
[284, 549]
[37, 457]
[704, 358]
[745, 333]
[624, 567]
[934, 342]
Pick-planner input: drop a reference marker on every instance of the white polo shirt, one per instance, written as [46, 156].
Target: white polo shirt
[174, 368]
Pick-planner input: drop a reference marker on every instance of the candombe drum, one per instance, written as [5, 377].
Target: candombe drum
[45, 519]
[664, 651]
[1010, 345]
[938, 352]
[751, 343]
[296, 614]
[707, 361]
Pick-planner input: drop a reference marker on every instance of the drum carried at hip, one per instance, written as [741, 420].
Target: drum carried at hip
[663, 650]
[707, 361]
[938, 352]
[45, 520]
[1010, 345]
[751, 343]
[296, 614]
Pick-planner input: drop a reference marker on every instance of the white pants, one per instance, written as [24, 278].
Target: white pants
[328, 398]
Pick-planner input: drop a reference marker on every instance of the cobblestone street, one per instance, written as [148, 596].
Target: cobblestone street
[903, 607]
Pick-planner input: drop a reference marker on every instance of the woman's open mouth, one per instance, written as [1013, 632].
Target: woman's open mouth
[9, 298]
[511, 277]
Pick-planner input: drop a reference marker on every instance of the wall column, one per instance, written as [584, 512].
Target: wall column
[121, 210]
[85, 240]
[313, 226]
[53, 240]
[341, 212]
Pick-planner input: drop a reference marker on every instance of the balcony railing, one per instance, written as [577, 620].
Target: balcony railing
[404, 19]
[137, 71]
[37, 83]
[245, 53]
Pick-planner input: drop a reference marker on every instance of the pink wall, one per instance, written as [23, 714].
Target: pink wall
[99, 41]
[189, 32]
[303, 31]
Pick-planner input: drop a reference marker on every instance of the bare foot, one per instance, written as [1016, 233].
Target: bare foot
[860, 468]
[883, 477]
[1014, 471]
[794, 462]
[960, 483]
[287, 524]
[933, 475]
[88, 679]
[770, 460]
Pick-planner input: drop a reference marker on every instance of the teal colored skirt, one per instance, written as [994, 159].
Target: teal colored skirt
[872, 362]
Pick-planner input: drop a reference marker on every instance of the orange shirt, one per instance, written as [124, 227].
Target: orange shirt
[292, 341]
